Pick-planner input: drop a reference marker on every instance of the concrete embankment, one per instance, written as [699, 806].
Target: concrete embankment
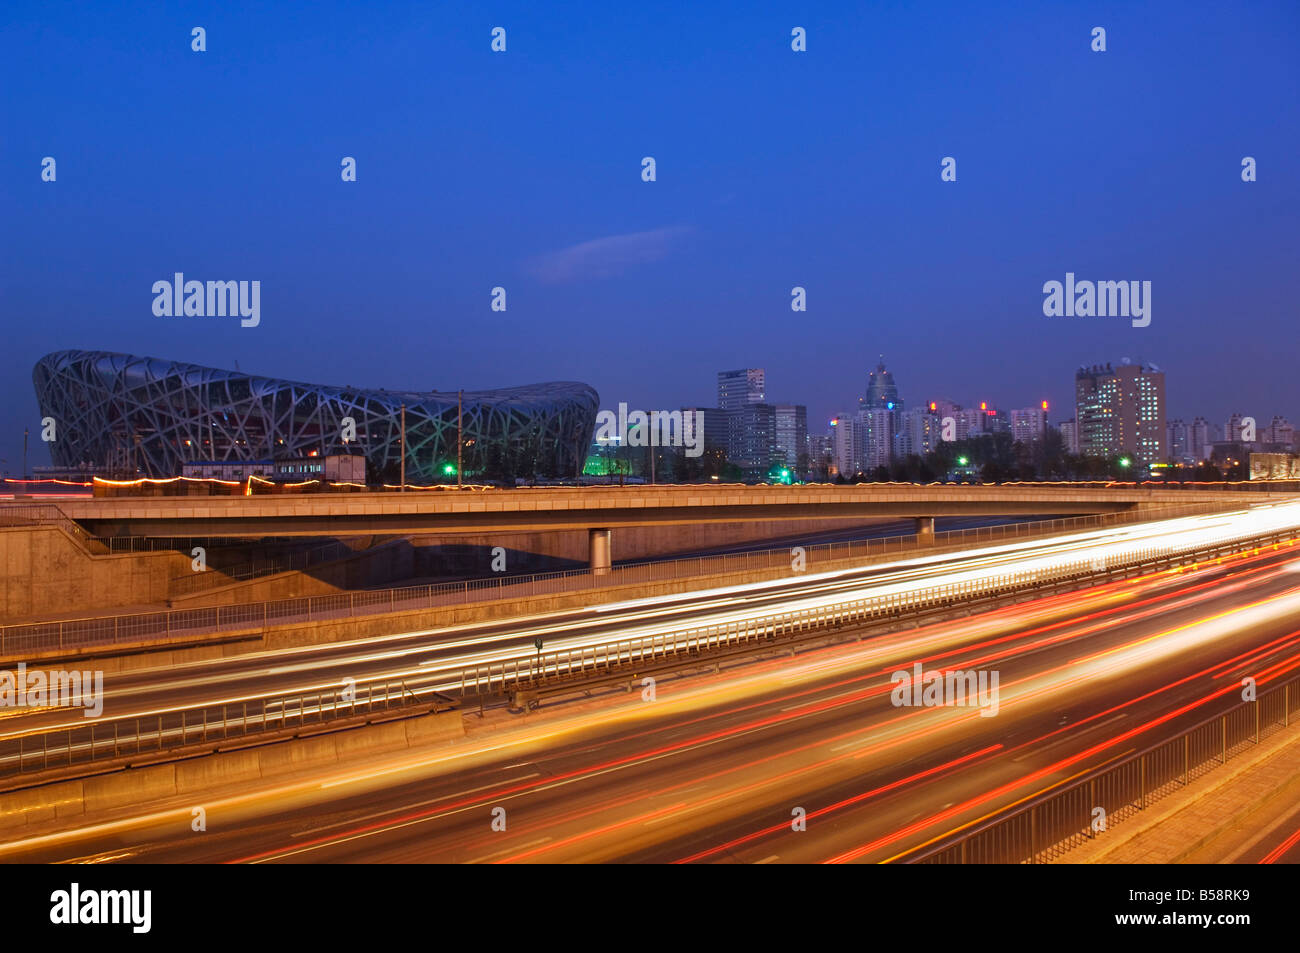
[78, 800]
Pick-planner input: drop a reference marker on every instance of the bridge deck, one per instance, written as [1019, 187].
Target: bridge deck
[550, 509]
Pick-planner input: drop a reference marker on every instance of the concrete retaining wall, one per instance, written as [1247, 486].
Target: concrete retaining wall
[43, 571]
[386, 564]
[431, 557]
[546, 552]
[65, 800]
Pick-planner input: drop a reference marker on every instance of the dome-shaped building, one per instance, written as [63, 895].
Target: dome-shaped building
[140, 413]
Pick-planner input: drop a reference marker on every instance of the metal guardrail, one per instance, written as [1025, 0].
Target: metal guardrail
[538, 670]
[101, 632]
[533, 671]
[47, 514]
[108, 739]
[1052, 825]
[217, 723]
[214, 726]
[119, 545]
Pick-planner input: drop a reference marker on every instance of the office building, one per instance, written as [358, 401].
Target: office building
[738, 388]
[821, 455]
[715, 427]
[1177, 439]
[753, 439]
[882, 391]
[791, 434]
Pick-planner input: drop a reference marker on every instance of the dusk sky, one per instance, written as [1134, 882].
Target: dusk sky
[775, 169]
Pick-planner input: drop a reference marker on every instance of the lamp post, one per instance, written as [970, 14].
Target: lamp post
[460, 438]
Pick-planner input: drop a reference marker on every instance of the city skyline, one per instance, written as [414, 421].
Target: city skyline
[529, 179]
[606, 434]
[756, 430]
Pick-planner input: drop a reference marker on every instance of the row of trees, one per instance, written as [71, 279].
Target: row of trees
[987, 458]
[997, 458]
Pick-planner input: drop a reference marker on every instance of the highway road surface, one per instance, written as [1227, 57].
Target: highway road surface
[433, 659]
[804, 758]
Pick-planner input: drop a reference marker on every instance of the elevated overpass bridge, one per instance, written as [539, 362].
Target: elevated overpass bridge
[600, 510]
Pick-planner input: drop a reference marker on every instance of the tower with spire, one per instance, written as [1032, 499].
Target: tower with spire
[882, 392]
[879, 412]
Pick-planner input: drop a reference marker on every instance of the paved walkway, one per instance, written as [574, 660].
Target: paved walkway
[78, 614]
[1216, 819]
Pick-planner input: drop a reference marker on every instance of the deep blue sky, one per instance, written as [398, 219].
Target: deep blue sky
[775, 169]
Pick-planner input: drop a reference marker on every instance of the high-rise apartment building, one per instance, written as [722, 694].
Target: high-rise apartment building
[919, 432]
[877, 428]
[995, 421]
[969, 422]
[846, 440]
[1278, 436]
[1121, 411]
[944, 408]
[1069, 435]
[1235, 430]
[1029, 424]
[1199, 440]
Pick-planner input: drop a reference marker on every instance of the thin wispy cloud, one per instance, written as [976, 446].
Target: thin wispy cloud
[611, 255]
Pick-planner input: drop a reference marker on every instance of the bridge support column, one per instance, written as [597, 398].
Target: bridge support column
[598, 551]
[925, 530]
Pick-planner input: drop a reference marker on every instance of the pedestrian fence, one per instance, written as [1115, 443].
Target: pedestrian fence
[211, 725]
[1048, 827]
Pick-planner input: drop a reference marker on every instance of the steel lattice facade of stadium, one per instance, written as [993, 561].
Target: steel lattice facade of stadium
[126, 412]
